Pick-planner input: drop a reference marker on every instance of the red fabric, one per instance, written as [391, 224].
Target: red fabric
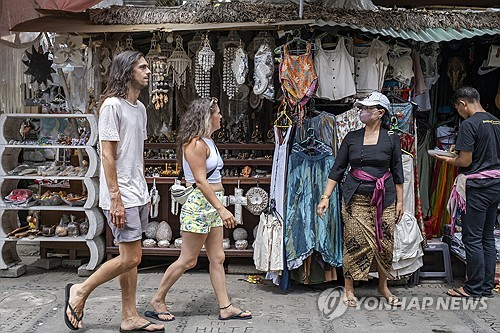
[67, 5]
[377, 200]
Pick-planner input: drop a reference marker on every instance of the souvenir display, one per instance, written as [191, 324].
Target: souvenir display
[257, 200]
[164, 232]
[263, 72]
[226, 244]
[152, 229]
[229, 84]
[67, 51]
[118, 49]
[241, 244]
[203, 64]
[178, 63]
[163, 243]
[39, 65]
[129, 44]
[149, 243]
[239, 234]
[240, 65]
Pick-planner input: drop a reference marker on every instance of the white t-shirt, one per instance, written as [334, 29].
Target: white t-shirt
[121, 121]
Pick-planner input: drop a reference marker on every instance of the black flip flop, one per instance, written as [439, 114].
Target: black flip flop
[237, 316]
[73, 312]
[156, 315]
[457, 291]
[142, 329]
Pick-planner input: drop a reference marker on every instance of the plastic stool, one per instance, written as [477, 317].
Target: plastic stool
[436, 245]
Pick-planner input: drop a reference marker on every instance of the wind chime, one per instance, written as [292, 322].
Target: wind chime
[204, 61]
[158, 79]
[178, 63]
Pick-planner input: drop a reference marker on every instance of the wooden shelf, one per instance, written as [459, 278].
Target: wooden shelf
[221, 146]
[225, 180]
[175, 252]
[232, 161]
[48, 239]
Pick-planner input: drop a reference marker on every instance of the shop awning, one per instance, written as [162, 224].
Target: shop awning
[425, 35]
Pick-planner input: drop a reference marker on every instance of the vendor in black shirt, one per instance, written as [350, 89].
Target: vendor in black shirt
[478, 184]
[374, 157]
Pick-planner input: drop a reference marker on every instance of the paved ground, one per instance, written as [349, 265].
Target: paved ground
[34, 303]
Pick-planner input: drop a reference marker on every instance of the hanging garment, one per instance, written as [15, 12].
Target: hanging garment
[407, 251]
[323, 126]
[268, 245]
[335, 69]
[371, 63]
[424, 99]
[345, 123]
[442, 183]
[408, 188]
[314, 271]
[305, 231]
[429, 54]
[278, 175]
[403, 113]
[419, 86]
[298, 76]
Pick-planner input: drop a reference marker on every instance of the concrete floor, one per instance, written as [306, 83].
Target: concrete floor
[34, 302]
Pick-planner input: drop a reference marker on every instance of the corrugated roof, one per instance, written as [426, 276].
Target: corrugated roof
[426, 35]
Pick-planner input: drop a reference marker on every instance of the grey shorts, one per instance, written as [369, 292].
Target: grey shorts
[136, 223]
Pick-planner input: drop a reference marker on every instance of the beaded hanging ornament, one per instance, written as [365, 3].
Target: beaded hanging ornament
[179, 62]
[158, 85]
[203, 64]
[165, 48]
[229, 84]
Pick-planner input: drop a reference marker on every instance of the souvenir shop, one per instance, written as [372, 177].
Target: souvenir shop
[287, 94]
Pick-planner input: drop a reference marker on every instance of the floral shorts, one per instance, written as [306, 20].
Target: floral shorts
[198, 215]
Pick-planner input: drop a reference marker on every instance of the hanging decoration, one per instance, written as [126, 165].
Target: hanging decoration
[203, 64]
[195, 43]
[262, 37]
[263, 72]
[229, 84]
[129, 44]
[39, 65]
[118, 49]
[67, 51]
[179, 63]
[165, 47]
[158, 79]
[240, 65]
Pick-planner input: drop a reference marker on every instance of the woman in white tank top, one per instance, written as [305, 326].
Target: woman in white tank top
[203, 215]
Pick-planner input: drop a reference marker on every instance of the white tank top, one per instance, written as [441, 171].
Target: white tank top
[214, 161]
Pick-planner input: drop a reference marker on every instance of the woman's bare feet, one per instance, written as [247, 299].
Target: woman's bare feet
[391, 299]
[161, 312]
[232, 312]
[134, 323]
[349, 299]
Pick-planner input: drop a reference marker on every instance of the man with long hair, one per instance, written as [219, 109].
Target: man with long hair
[123, 191]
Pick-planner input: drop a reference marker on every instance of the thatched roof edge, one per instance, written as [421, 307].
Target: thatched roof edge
[230, 12]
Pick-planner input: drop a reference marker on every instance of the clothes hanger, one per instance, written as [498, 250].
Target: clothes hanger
[394, 126]
[283, 120]
[296, 39]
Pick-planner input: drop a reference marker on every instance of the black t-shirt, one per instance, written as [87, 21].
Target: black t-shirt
[374, 159]
[480, 134]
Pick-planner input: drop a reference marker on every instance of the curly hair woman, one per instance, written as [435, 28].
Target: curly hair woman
[203, 215]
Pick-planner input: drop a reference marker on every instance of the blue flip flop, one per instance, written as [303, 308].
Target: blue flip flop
[156, 315]
[237, 316]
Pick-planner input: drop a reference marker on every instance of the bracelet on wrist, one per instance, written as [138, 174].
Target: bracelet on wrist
[325, 197]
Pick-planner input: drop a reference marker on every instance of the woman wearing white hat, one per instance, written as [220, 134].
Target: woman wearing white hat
[372, 197]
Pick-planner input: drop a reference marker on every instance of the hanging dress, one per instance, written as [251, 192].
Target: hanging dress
[298, 76]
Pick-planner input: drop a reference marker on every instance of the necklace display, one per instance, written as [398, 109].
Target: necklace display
[203, 63]
[179, 63]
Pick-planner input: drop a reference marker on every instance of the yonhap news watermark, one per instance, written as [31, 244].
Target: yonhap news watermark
[332, 303]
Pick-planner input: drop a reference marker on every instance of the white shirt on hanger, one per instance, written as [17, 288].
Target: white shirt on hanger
[335, 69]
